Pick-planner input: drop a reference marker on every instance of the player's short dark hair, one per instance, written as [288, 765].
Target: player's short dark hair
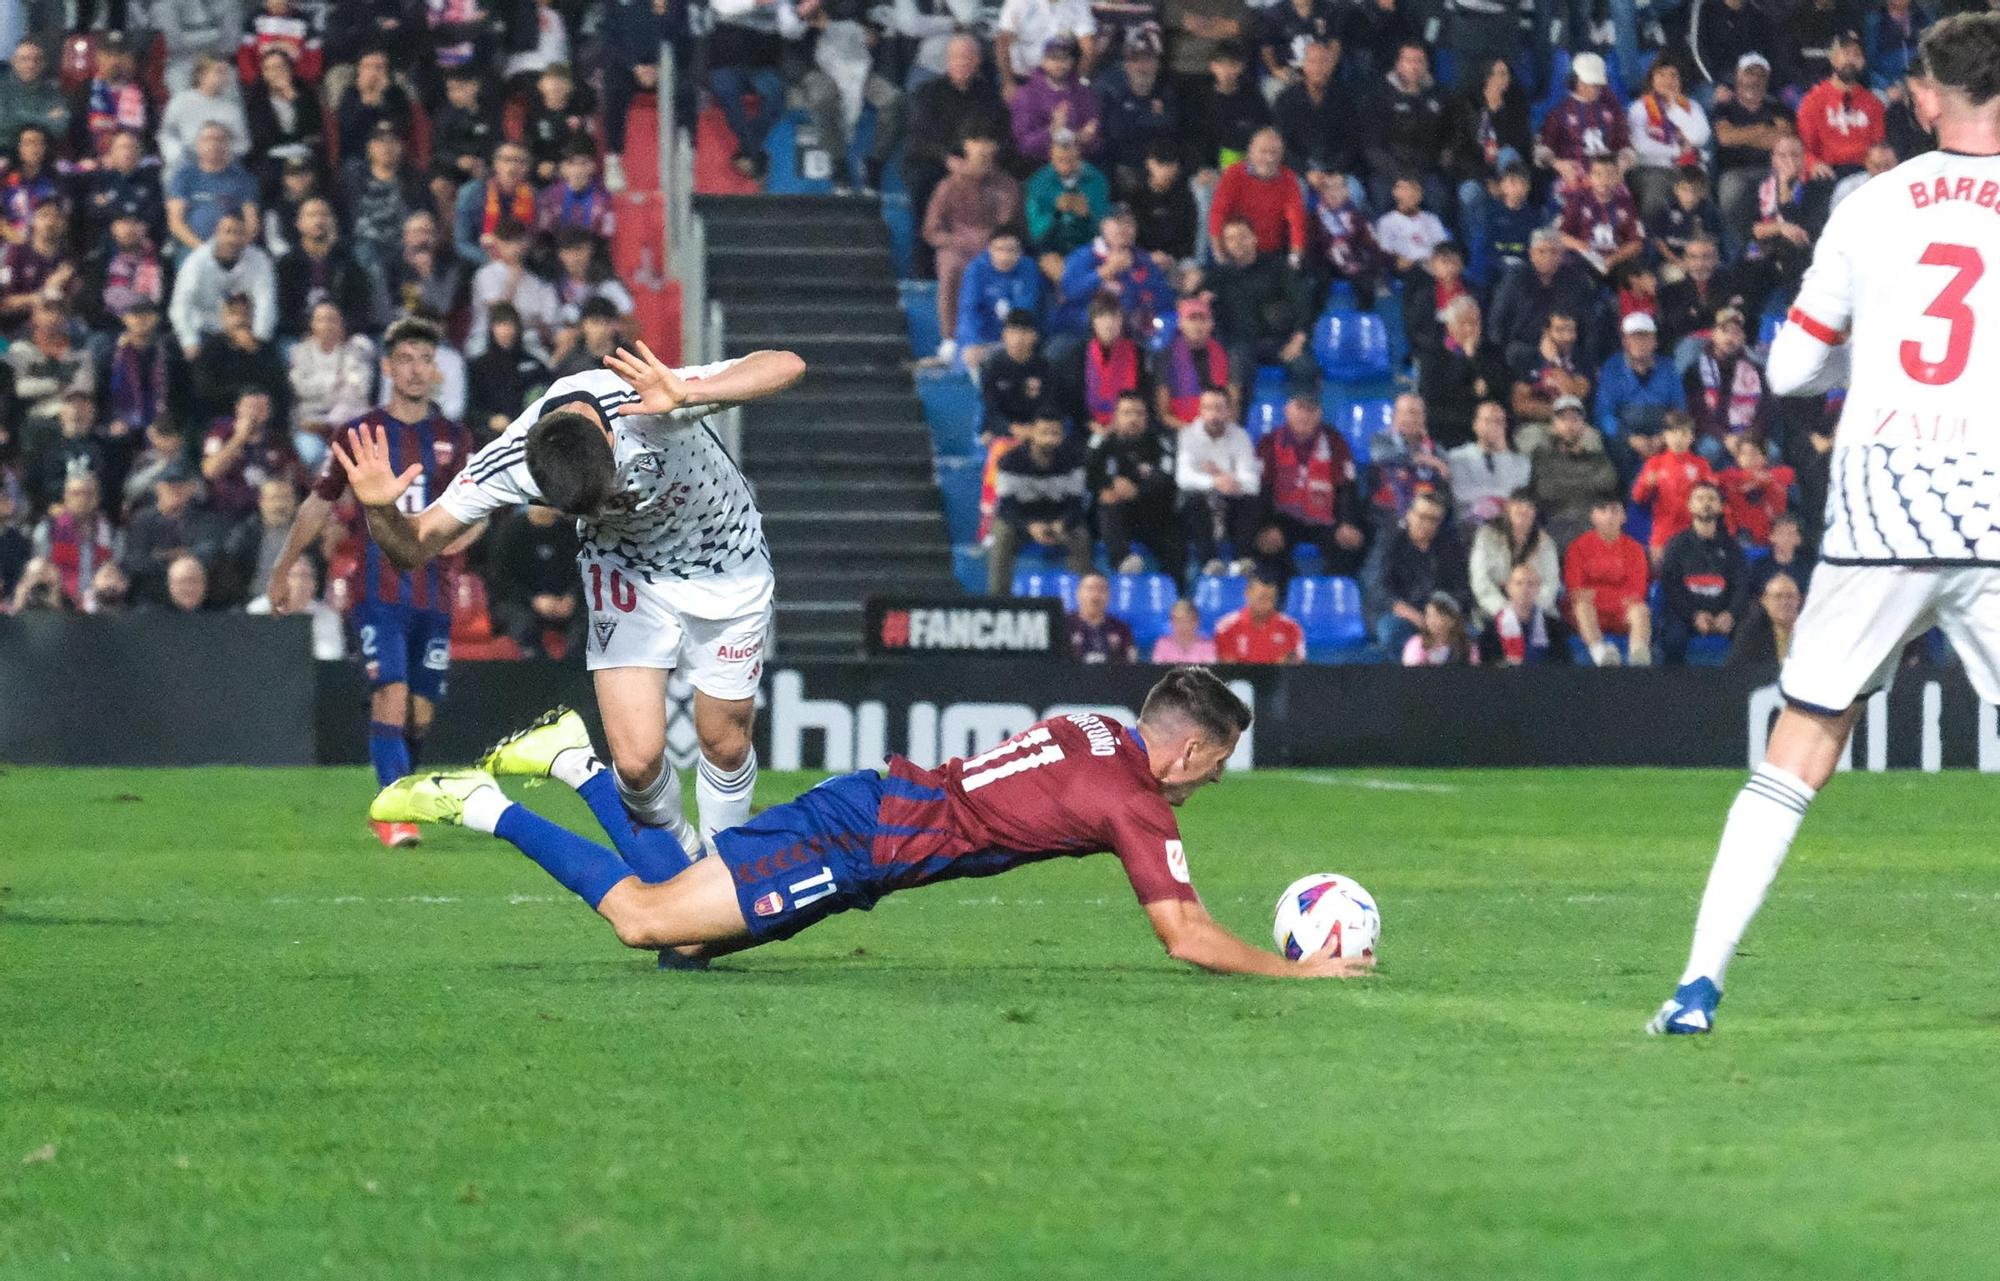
[1963, 52]
[410, 329]
[1197, 695]
[571, 462]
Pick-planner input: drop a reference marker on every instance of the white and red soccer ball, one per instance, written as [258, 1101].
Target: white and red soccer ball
[1326, 906]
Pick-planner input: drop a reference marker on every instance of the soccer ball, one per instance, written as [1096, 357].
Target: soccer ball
[1322, 906]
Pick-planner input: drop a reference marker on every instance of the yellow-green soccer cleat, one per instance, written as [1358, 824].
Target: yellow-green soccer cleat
[429, 798]
[532, 752]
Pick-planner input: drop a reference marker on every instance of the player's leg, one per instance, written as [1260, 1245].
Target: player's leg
[429, 666]
[632, 702]
[1846, 646]
[726, 775]
[385, 656]
[727, 622]
[558, 746]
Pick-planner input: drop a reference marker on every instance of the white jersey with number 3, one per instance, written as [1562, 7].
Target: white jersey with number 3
[1909, 270]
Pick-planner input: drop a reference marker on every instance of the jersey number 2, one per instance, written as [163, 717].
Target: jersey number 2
[1949, 306]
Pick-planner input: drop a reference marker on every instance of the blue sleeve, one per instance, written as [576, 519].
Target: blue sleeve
[1079, 277]
[465, 224]
[971, 293]
[1607, 408]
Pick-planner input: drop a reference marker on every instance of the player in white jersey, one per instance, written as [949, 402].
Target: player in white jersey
[676, 573]
[1903, 302]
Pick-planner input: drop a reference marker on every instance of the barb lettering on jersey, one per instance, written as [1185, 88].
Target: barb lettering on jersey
[1939, 190]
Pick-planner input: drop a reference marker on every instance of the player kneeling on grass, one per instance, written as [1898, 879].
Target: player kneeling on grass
[1066, 787]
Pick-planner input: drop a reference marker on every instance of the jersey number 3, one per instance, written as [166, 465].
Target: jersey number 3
[1949, 305]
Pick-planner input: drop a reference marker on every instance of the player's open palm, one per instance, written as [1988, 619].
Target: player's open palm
[661, 391]
[1323, 964]
[370, 474]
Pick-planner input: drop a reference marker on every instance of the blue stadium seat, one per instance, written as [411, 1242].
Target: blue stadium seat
[1265, 417]
[1144, 601]
[1360, 420]
[1340, 297]
[959, 482]
[1351, 345]
[920, 318]
[1060, 584]
[951, 409]
[1329, 609]
[1707, 651]
[1216, 595]
[1165, 327]
[1269, 383]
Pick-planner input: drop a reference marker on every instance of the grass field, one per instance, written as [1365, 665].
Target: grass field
[239, 1040]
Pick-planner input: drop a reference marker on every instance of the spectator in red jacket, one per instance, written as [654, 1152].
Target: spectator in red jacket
[1754, 492]
[1605, 572]
[1669, 477]
[1259, 632]
[1262, 190]
[1310, 493]
[1839, 118]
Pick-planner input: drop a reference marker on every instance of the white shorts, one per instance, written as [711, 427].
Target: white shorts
[712, 630]
[1858, 618]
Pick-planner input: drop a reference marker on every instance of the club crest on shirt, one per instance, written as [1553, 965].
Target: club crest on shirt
[603, 627]
[444, 451]
[769, 904]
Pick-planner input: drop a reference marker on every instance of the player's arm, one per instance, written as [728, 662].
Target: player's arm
[307, 526]
[662, 391]
[1190, 934]
[1810, 355]
[408, 543]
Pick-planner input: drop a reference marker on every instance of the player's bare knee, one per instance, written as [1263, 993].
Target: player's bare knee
[726, 751]
[637, 770]
[390, 705]
[723, 731]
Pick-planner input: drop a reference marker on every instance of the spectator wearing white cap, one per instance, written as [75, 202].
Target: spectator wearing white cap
[1586, 123]
[1635, 390]
[1748, 121]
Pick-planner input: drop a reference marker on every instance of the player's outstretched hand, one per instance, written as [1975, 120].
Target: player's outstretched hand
[660, 390]
[1321, 965]
[369, 473]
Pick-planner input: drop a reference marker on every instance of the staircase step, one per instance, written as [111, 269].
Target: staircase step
[876, 556]
[808, 406]
[779, 457]
[888, 439]
[787, 208]
[857, 585]
[807, 315]
[826, 524]
[830, 351]
[805, 233]
[782, 493]
[754, 288]
[804, 265]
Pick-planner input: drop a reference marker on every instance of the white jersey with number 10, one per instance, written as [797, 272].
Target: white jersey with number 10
[1908, 270]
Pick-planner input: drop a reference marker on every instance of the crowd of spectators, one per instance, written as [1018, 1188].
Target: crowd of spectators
[210, 213]
[1137, 211]
[1131, 208]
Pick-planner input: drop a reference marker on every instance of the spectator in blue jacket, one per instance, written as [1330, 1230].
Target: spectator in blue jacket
[1890, 38]
[1635, 391]
[1138, 108]
[1113, 264]
[998, 283]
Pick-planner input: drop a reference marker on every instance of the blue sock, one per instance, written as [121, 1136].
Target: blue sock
[652, 852]
[389, 751]
[585, 868]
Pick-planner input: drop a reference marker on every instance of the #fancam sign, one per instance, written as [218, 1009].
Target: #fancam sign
[976, 625]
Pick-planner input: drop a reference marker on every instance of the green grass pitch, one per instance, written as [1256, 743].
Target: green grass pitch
[237, 1039]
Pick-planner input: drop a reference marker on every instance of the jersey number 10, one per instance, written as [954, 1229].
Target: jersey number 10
[1967, 267]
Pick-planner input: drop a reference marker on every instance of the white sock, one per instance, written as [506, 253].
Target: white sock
[1762, 823]
[483, 809]
[574, 766]
[724, 796]
[659, 804]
